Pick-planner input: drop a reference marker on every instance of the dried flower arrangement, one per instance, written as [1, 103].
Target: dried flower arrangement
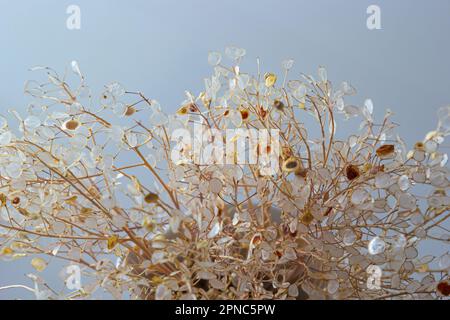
[92, 183]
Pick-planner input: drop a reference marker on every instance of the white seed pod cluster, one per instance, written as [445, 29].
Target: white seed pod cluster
[90, 178]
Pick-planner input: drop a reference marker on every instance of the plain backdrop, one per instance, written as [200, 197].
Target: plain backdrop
[161, 47]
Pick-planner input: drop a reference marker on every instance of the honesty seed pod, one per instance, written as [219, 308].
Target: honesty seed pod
[71, 125]
[279, 105]
[270, 79]
[352, 172]
[291, 165]
[151, 198]
[386, 151]
[75, 184]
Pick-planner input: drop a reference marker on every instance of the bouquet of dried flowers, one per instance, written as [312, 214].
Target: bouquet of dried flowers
[93, 180]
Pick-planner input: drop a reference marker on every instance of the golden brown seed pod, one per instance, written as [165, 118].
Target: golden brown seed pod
[245, 114]
[385, 151]
[112, 242]
[279, 105]
[2, 200]
[182, 111]
[71, 125]
[270, 79]
[291, 165]
[151, 198]
[129, 111]
[352, 172]
[262, 112]
[307, 217]
[6, 251]
[419, 146]
[444, 288]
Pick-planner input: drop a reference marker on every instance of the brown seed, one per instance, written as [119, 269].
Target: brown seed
[419, 146]
[279, 105]
[129, 111]
[244, 114]
[352, 172]
[112, 242]
[15, 201]
[2, 200]
[72, 124]
[262, 112]
[385, 151]
[151, 198]
[307, 217]
[182, 111]
[291, 165]
[444, 288]
[256, 240]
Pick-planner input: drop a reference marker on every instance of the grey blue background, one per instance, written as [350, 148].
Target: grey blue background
[160, 48]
